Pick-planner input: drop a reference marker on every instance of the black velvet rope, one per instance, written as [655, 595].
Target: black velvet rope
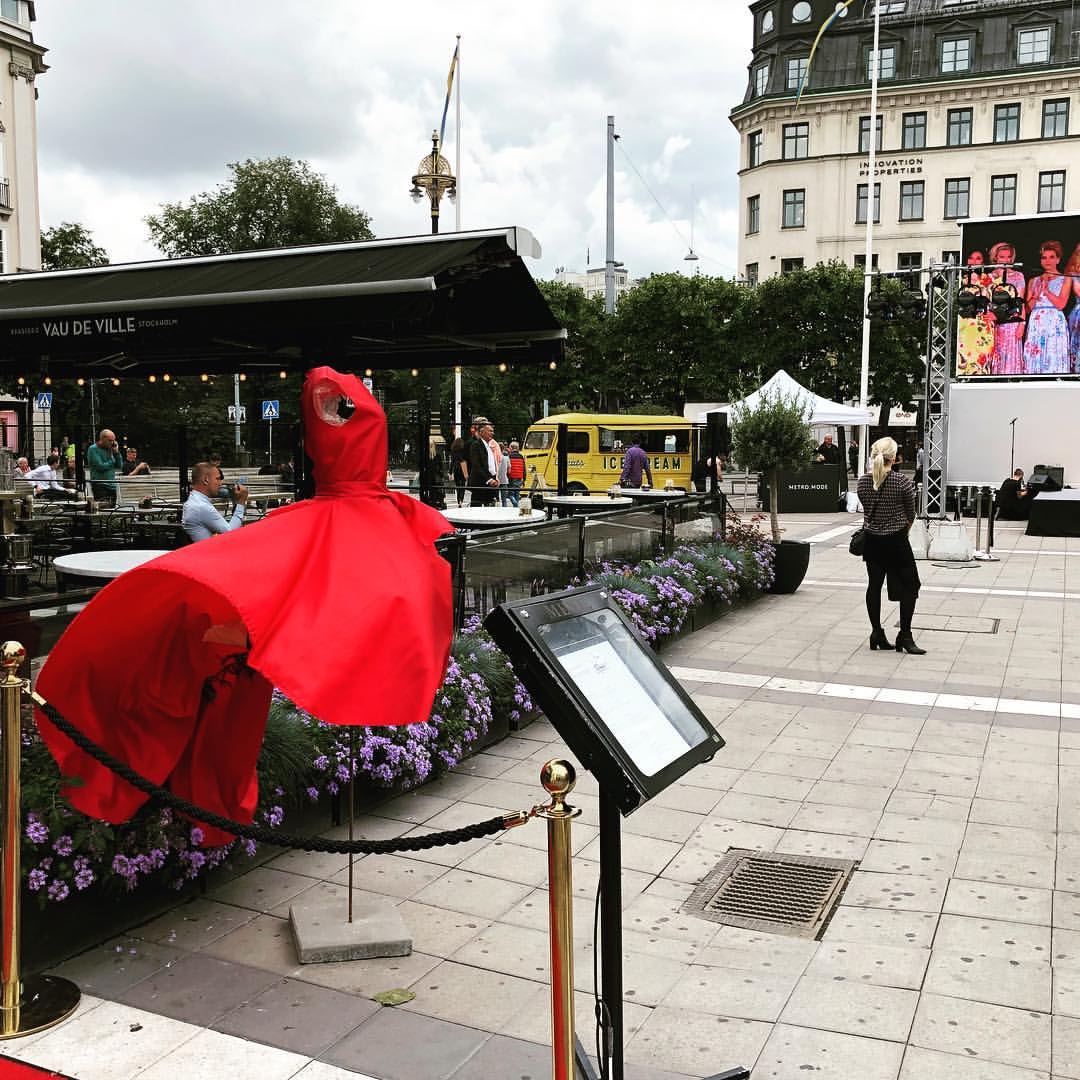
[260, 833]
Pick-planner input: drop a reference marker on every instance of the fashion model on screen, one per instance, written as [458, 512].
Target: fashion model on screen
[1046, 348]
[1072, 272]
[975, 339]
[1008, 337]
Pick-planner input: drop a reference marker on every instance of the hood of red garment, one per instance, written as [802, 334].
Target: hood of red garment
[344, 429]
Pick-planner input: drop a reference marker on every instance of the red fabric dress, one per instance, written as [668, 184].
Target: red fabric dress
[344, 600]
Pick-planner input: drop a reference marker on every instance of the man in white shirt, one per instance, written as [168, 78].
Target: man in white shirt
[201, 519]
[44, 476]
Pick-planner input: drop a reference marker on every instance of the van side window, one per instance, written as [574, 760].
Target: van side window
[607, 440]
[577, 442]
[659, 441]
[539, 440]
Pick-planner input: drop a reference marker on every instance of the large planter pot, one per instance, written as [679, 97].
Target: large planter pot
[792, 559]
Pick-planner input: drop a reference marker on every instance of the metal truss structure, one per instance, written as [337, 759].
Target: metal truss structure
[940, 347]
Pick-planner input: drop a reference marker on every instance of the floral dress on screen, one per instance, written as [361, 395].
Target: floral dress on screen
[1046, 349]
[1009, 337]
[975, 341]
[1074, 329]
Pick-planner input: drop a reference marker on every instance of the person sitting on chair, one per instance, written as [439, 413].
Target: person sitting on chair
[132, 465]
[201, 519]
[1013, 499]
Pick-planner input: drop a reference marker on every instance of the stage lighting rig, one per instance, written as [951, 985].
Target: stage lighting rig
[1006, 305]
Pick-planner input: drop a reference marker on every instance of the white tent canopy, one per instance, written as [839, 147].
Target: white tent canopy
[823, 411]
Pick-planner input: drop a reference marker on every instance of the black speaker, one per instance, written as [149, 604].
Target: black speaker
[1055, 474]
[719, 434]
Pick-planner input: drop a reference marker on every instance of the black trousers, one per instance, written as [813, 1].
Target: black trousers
[876, 574]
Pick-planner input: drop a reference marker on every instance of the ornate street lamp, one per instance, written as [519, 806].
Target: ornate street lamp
[434, 179]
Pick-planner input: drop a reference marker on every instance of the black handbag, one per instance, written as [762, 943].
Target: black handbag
[857, 543]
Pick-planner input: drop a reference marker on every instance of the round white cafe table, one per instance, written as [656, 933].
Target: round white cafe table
[103, 564]
[565, 505]
[489, 517]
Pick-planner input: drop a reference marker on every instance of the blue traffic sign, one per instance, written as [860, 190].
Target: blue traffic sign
[43, 400]
[271, 410]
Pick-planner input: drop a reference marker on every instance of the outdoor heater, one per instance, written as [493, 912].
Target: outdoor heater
[625, 719]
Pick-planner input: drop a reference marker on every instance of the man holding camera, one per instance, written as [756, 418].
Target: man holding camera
[103, 460]
[201, 519]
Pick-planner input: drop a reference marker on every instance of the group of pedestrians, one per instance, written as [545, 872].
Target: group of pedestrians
[491, 472]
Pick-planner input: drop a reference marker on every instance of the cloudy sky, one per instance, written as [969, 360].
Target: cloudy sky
[147, 100]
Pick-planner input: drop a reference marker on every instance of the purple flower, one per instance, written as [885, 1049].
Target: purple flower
[36, 880]
[58, 890]
[63, 846]
[197, 835]
[36, 832]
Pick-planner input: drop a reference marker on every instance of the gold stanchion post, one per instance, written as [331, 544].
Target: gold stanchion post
[558, 778]
[39, 1001]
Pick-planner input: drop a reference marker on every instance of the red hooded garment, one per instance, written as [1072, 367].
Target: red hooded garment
[346, 607]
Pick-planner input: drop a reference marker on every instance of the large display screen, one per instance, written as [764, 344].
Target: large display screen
[1045, 339]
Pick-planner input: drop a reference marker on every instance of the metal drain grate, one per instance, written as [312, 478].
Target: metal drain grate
[959, 624]
[780, 894]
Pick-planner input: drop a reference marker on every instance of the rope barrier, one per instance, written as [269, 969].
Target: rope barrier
[269, 836]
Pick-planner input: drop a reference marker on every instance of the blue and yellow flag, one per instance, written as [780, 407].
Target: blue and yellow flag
[449, 89]
[837, 12]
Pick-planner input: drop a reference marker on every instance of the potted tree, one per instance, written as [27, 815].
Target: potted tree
[772, 436]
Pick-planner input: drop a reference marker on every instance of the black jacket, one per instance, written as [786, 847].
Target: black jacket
[479, 475]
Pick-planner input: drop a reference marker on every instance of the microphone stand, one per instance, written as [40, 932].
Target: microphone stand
[1012, 447]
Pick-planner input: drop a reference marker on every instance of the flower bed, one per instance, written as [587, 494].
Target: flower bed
[305, 760]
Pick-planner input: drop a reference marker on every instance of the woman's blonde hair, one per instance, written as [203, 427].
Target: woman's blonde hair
[882, 455]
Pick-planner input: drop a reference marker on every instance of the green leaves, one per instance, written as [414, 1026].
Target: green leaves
[70, 245]
[271, 203]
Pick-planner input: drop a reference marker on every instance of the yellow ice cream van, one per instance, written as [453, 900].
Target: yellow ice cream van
[596, 444]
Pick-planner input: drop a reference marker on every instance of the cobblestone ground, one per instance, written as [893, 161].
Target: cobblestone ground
[953, 778]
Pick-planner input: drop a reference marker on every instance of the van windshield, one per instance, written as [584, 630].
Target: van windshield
[539, 440]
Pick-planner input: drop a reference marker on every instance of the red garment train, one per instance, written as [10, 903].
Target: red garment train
[344, 603]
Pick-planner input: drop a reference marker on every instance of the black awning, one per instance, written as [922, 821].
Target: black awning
[429, 301]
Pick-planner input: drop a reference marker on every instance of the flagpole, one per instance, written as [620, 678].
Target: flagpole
[458, 429]
[864, 371]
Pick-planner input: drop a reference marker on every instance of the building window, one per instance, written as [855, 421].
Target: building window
[753, 149]
[751, 274]
[796, 141]
[889, 7]
[795, 208]
[1006, 123]
[1033, 46]
[914, 131]
[951, 257]
[910, 260]
[1055, 119]
[753, 214]
[911, 200]
[955, 55]
[864, 134]
[861, 193]
[9, 9]
[789, 266]
[796, 70]
[801, 12]
[1003, 195]
[1052, 192]
[860, 261]
[957, 198]
[886, 63]
[958, 132]
[767, 22]
[761, 79]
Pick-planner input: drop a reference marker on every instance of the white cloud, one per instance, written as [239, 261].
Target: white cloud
[146, 102]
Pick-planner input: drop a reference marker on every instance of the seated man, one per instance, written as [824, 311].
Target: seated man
[201, 519]
[46, 484]
[132, 465]
[1013, 499]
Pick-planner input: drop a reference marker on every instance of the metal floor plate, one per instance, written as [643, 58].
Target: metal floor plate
[779, 894]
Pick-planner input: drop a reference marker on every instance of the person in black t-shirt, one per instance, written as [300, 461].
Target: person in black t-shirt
[1013, 500]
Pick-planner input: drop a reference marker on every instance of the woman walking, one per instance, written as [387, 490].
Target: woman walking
[888, 500]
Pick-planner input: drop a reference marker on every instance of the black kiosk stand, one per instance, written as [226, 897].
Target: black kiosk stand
[627, 721]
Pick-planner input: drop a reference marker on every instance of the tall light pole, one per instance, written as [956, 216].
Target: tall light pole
[868, 269]
[609, 264]
[434, 178]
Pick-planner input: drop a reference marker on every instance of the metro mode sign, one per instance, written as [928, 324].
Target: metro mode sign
[89, 327]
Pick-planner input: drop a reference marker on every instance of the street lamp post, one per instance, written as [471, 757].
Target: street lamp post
[434, 178]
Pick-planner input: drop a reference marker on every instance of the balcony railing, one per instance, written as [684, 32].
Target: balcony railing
[5, 192]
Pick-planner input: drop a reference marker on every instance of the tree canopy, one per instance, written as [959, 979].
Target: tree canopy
[275, 202]
[70, 245]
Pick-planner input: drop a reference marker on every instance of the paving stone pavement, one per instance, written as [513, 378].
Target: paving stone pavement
[953, 778]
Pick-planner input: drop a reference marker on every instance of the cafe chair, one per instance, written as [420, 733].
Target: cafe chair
[54, 541]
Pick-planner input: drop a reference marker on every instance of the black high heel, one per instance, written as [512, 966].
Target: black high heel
[906, 643]
[878, 640]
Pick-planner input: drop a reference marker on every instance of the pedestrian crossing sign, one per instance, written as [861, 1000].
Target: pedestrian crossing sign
[43, 400]
[271, 410]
